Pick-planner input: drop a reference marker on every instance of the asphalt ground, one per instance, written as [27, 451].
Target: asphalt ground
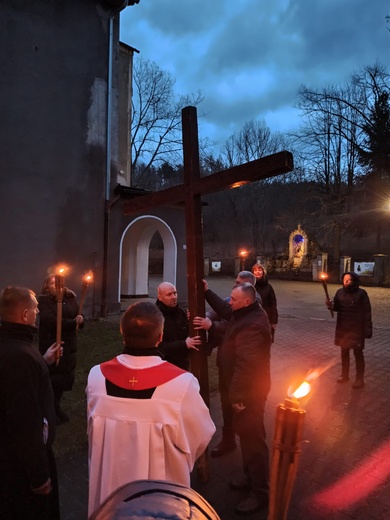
[344, 467]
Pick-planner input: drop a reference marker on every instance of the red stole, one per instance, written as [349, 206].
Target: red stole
[139, 378]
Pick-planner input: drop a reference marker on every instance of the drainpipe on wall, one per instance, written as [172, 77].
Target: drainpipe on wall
[108, 203]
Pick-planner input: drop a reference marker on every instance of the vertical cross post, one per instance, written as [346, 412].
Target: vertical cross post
[194, 233]
[195, 266]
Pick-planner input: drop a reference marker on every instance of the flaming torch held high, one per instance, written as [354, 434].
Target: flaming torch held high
[324, 279]
[290, 418]
[59, 285]
[87, 279]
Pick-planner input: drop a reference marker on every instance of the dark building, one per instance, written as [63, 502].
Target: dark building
[65, 130]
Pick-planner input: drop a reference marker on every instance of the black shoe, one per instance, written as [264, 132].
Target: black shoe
[359, 383]
[224, 447]
[343, 379]
[62, 417]
[241, 482]
[250, 505]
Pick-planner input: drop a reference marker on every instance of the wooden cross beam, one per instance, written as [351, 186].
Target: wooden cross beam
[264, 168]
[190, 192]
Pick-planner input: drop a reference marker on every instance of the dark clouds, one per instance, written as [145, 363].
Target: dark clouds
[249, 57]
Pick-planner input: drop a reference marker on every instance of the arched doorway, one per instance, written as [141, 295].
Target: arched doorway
[134, 255]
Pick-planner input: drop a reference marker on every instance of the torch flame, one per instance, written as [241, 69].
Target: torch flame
[61, 270]
[302, 390]
[323, 276]
[88, 277]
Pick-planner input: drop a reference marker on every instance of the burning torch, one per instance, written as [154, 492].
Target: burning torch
[324, 278]
[59, 285]
[88, 278]
[290, 418]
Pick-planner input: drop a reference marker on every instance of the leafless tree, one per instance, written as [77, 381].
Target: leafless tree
[253, 141]
[156, 118]
[337, 122]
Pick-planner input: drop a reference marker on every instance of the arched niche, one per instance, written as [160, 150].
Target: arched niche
[298, 244]
[134, 255]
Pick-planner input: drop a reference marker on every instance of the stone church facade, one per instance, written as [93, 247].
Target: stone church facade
[65, 122]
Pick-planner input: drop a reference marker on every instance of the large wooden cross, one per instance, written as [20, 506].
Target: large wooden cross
[190, 192]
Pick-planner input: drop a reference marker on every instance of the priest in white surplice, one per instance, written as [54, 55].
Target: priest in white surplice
[146, 418]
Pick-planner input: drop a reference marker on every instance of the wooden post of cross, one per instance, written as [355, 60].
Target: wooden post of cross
[190, 192]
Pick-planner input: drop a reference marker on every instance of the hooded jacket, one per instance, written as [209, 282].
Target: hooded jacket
[354, 322]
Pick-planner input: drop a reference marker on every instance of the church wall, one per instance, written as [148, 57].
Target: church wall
[53, 101]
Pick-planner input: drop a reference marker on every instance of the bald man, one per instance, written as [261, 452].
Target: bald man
[176, 343]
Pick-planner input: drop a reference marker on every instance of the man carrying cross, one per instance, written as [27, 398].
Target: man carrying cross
[190, 192]
[146, 418]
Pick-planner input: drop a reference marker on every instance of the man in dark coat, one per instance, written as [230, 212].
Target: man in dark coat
[244, 359]
[216, 326]
[176, 342]
[353, 326]
[62, 375]
[28, 481]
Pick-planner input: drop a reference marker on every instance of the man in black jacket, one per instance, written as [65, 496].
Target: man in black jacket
[216, 326]
[244, 360]
[28, 481]
[176, 342]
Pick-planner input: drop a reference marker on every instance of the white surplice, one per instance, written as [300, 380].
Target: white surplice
[134, 439]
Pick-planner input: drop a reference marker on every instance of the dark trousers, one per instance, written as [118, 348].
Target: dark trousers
[57, 398]
[249, 425]
[18, 502]
[227, 409]
[359, 359]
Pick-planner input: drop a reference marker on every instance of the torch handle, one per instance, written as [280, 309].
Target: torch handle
[59, 327]
[82, 300]
[59, 284]
[286, 451]
[327, 297]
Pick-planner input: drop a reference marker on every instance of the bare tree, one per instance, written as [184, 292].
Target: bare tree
[156, 118]
[334, 137]
[253, 141]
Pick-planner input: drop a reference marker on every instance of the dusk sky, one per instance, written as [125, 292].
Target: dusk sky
[249, 57]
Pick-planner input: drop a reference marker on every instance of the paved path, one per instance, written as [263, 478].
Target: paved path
[344, 470]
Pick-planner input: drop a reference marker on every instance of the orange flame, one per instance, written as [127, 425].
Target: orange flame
[302, 390]
[88, 277]
[323, 276]
[61, 270]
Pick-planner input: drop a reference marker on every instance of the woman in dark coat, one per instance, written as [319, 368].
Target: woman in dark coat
[267, 294]
[353, 326]
[62, 375]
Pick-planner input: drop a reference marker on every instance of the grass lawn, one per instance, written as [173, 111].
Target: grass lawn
[98, 341]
